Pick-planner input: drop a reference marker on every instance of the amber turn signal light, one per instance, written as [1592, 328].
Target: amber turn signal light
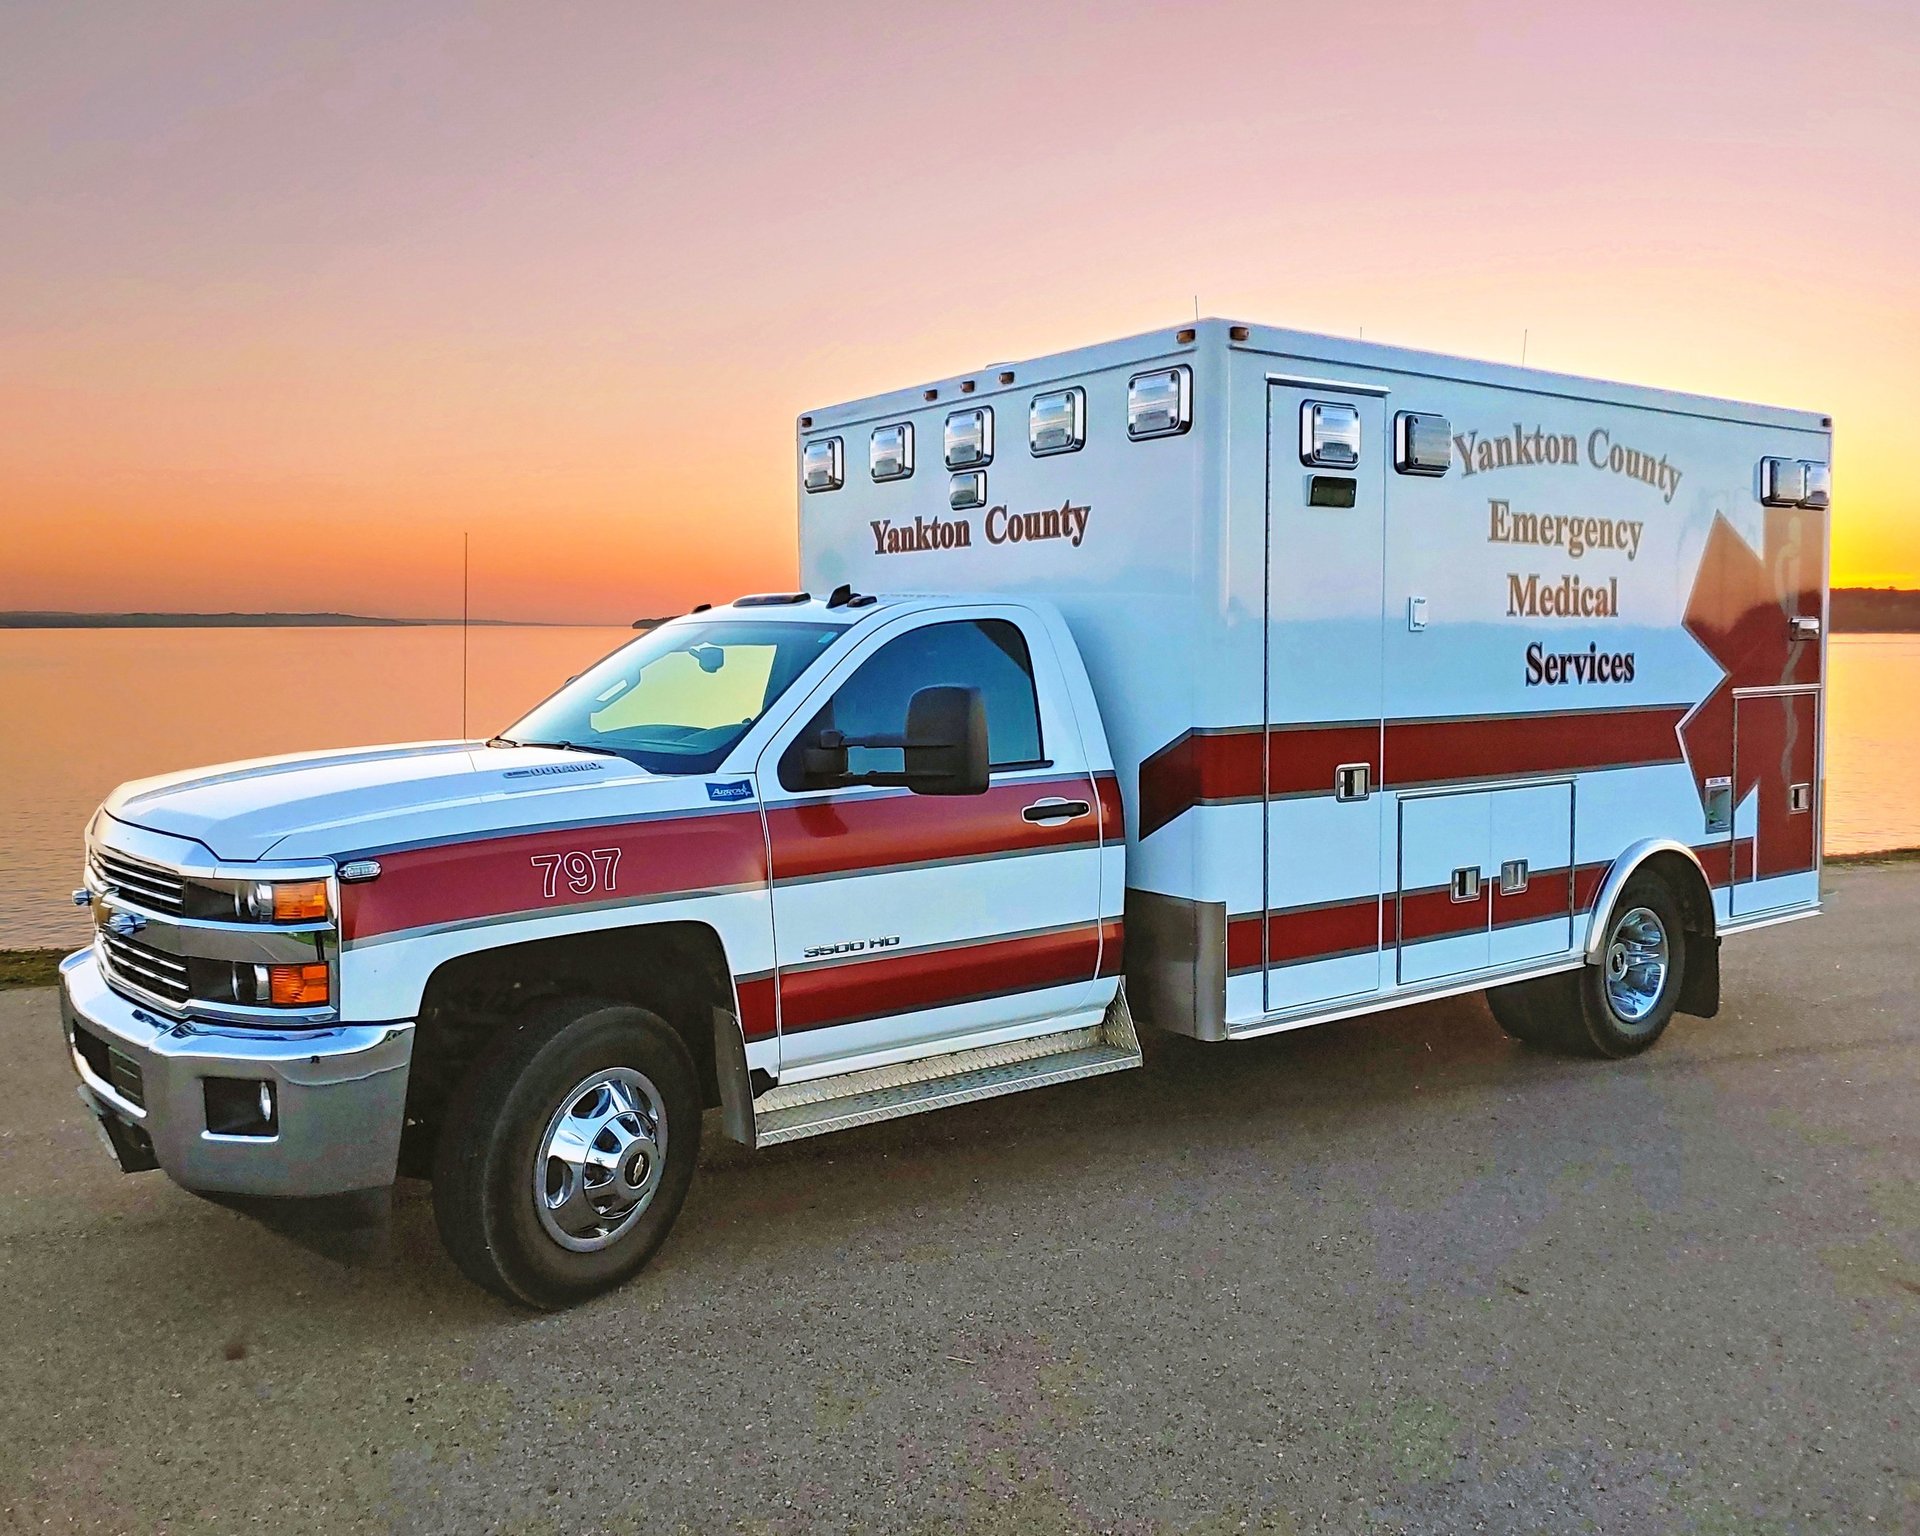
[300, 901]
[297, 986]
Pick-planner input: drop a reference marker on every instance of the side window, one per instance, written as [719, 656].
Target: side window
[988, 654]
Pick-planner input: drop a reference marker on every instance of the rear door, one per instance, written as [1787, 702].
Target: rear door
[1324, 684]
[905, 923]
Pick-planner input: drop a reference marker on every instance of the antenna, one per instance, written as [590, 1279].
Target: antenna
[466, 544]
[1196, 309]
[1523, 348]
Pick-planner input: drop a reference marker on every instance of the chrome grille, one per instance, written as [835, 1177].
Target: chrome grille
[146, 885]
[151, 970]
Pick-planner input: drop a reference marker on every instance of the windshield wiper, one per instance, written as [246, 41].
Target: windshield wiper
[557, 746]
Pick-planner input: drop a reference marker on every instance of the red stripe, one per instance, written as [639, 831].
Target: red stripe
[497, 876]
[1113, 811]
[1193, 769]
[1237, 765]
[1298, 934]
[757, 1018]
[933, 978]
[870, 833]
[663, 856]
[1442, 751]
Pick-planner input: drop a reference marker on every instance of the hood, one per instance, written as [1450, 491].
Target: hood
[329, 804]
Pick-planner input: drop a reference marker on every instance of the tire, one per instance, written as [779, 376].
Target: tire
[613, 1086]
[1618, 1007]
[1514, 1009]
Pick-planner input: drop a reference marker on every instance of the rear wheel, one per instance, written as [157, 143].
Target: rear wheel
[1620, 1006]
[566, 1154]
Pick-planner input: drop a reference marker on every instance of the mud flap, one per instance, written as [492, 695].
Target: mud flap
[736, 1085]
[1700, 988]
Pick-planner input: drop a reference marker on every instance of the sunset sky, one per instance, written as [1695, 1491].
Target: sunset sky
[291, 295]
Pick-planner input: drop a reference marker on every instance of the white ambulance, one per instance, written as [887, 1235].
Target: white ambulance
[1227, 678]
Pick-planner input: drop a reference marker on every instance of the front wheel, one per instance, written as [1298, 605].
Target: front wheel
[566, 1154]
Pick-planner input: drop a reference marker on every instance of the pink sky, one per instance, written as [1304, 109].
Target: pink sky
[292, 295]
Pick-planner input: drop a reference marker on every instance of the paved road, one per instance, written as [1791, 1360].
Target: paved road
[1393, 1275]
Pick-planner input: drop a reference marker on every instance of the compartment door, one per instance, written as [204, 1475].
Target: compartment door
[1530, 869]
[1776, 739]
[1444, 902]
[1324, 679]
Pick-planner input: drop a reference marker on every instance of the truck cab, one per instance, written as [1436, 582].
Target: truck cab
[789, 842]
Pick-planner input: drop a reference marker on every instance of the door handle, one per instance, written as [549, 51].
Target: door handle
[1056, 810]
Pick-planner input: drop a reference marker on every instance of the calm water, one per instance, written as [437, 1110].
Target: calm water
[86, 709]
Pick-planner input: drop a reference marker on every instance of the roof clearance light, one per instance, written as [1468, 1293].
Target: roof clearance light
[970, 437]
[1783, 482]
[1160, 404]
[1422, 444]
[890, 452]
[820, 466]
[1329, 434]
[1057, 422]
[1819, 484]
[967, 489]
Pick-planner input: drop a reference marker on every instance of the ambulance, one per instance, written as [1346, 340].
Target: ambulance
[1224, 680]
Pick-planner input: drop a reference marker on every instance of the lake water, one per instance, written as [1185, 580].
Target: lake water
[83, 710]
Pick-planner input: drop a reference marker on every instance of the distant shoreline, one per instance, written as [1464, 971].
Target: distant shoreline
[1854, 611]
[32, 619]
[1875, 611]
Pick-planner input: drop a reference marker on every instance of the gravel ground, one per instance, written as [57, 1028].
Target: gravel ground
[1388, 1275]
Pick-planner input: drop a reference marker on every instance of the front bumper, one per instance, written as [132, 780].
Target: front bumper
[339, 1093]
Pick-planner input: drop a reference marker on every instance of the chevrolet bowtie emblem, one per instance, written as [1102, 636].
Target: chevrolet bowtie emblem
[124, 924]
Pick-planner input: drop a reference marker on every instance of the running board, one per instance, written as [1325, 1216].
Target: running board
[935, 1082]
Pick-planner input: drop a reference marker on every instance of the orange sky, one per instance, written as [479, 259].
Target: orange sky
[291, 295]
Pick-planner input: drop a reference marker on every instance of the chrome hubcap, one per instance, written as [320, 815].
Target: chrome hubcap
[1637, 958]
[600, 1161]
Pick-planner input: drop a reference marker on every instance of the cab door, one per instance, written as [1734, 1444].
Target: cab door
[906, 924]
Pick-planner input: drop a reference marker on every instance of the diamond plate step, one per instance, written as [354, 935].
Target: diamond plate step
[913, 1088]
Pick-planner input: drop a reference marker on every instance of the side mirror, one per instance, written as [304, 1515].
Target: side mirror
[946, 742]
[944, 747]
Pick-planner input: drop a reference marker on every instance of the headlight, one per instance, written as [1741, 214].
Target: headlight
[286, 901]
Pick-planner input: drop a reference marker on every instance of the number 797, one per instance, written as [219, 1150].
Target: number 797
[583, 872]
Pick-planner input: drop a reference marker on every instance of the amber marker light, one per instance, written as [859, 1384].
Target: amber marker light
[297, 986]
[300, 901]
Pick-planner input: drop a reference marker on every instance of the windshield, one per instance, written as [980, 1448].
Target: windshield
[676, 700]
